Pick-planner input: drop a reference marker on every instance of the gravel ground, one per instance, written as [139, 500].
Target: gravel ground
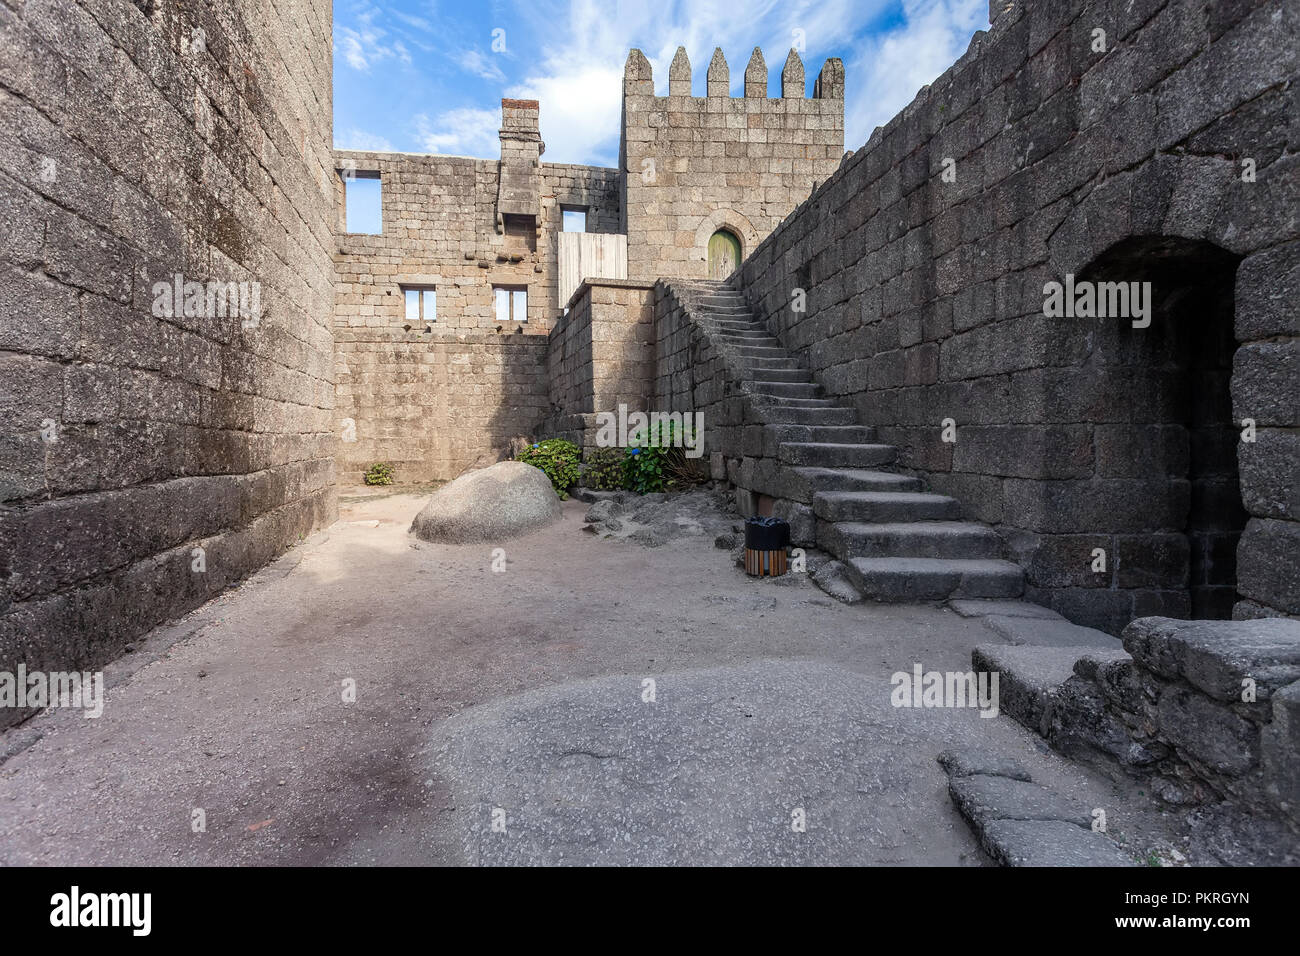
[519, 697]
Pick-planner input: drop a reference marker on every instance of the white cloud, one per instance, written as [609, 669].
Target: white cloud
[461, 132]
[888, 70]
[579, 112]
[578, 77]
[472, 61]
[420, 23]
[363, 48]
[360, 139]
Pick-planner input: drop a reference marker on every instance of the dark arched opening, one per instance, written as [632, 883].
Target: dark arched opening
[1178, 446]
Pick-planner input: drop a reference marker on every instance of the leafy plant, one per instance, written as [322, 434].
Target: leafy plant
[380, 473]
[605, 469]
[558, 459]
[656, 461]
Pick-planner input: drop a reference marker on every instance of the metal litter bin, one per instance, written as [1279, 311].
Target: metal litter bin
[766, 540]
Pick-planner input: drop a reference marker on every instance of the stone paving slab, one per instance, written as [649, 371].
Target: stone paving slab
[1049, 843]
[984, 797]
[984, 607]
[1050, 633]
[1019, 822]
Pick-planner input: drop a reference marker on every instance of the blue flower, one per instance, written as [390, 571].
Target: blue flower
[536, 444]
[635, 451]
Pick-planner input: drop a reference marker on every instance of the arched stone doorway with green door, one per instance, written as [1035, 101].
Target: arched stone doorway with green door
[724, 254]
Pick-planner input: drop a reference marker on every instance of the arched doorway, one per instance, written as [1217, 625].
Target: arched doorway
[724, 254]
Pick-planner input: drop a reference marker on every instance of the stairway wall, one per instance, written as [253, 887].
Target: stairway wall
[925, 293]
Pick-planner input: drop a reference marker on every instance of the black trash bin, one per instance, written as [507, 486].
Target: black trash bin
[766, 540]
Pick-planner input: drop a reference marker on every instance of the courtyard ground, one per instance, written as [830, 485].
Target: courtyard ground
[519, 697]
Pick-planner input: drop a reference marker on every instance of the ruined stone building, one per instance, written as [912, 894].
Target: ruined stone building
[878, 366]
[433, 395]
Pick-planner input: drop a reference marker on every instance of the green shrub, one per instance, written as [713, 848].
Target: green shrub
[605, 469]
[380, 473]
[558, 459]
[660, 465]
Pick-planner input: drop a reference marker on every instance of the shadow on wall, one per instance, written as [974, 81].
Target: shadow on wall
[523, 397]
[1164, 497]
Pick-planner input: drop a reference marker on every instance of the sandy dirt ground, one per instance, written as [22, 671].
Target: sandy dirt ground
[504, 717]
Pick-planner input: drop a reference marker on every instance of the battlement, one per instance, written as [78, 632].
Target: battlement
[693, 166]
[638, 78]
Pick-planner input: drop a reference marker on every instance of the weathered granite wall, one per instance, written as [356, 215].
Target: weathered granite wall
[1210, 708]
[439, 229]
[696, 164]
[693, 375]
[435, 398]
[435, 406]
[151, 456]
[1149, 141]
[601, 355]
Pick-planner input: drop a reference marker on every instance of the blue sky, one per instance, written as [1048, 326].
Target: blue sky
[428, 75]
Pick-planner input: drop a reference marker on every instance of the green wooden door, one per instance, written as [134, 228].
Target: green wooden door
[724, 254]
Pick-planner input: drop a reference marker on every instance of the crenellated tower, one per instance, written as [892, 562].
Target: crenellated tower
[705, 178]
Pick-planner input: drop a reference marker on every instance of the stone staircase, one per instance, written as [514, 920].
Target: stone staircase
[898, 541]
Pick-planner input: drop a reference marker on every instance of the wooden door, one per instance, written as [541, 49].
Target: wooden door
[724, 254]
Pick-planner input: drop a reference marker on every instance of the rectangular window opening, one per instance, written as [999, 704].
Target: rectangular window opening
[362, 202]
[421, 303]
[575, 218]
[511, 303]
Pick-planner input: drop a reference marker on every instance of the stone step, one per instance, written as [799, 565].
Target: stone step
[746, 338]
[765, 399]
[911, 539]
[1046, 632]
[800, 415]
[853, 479]
[795, 374]
[835, 455]
[1029, 675]
[935, 579]
[748, 363]
[877, 506]
[738, 324]
[761, 351]
[784, 389]
[835, 434]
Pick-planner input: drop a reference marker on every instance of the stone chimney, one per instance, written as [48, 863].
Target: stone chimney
[519, 180]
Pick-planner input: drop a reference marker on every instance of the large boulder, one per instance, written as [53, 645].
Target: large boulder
[502, 501]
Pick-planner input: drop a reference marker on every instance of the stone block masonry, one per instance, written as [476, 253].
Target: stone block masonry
[1110, 142]
[692, 165]
[435, 406]
[445, 393]
[1207, 708]
[601, 355]
[147, 460]
[439, 229]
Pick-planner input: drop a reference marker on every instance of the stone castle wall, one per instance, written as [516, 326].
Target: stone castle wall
[139, 141]
[439, 228]
[436, 398]
[925, 298]
[601, 354]
[696, 164]
[435, 406]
